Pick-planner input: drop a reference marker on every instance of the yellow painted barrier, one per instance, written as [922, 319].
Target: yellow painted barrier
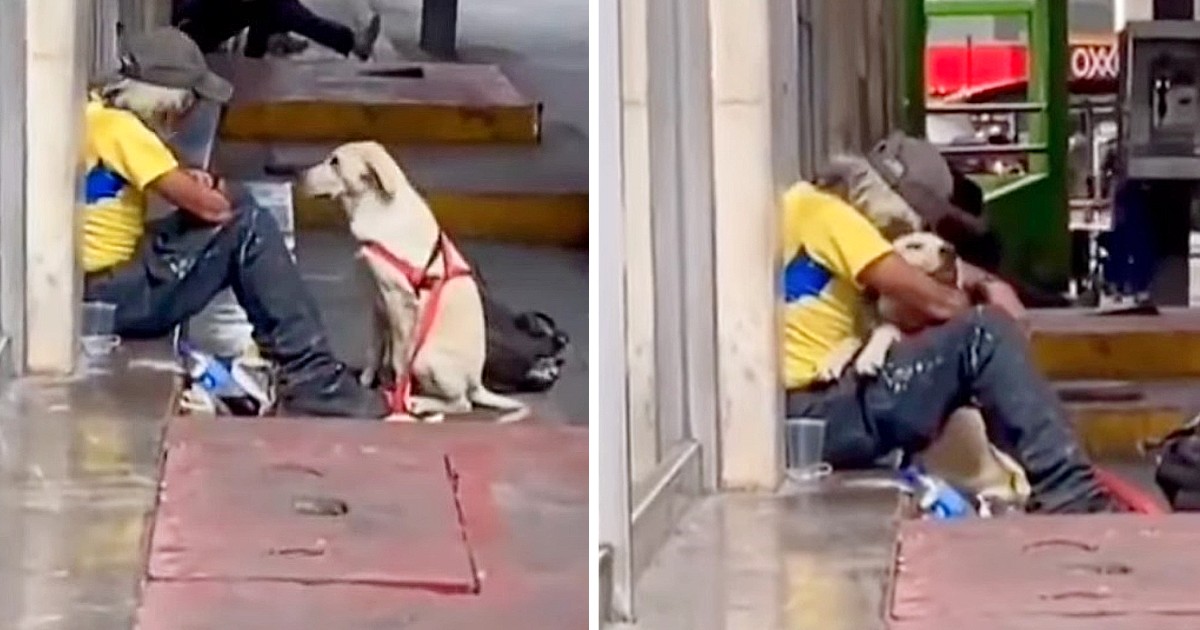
[555, 219]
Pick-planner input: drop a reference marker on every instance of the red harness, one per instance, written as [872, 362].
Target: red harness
[424, 280]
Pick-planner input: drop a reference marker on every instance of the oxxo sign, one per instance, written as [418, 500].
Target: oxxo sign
[1094, 62]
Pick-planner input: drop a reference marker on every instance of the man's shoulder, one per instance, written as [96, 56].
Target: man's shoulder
[103, 117]
[805, 197]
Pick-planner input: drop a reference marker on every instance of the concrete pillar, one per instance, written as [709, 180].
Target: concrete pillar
[747, 244]
[58, 47]
[639, 255]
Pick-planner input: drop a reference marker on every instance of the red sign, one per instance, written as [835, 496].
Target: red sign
[954, 68]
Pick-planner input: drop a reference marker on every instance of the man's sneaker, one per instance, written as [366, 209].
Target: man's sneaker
[285, 45]
[364, 40]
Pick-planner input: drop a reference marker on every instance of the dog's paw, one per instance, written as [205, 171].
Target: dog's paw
[870, 360]
[873, 355]
[838, 360]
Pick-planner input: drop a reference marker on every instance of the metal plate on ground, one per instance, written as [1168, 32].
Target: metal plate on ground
[256, 501]
[1047, 572]
[524, 494]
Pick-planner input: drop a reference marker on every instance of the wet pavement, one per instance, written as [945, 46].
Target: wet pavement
[798, 560]
[79, 460]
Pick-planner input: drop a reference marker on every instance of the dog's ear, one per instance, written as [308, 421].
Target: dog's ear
[381, 170]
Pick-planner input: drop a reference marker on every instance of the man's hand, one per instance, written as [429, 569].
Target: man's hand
[203, 177]
[994, 291]
[1001, 295]
[196, 192]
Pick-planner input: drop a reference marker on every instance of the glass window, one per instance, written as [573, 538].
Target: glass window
[1090, 16]
[12, 184]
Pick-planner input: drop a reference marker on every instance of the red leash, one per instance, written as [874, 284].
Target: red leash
[1126, 493]
[454, 265]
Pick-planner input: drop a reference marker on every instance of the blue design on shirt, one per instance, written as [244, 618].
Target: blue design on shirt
[102, 184]
[804, 277]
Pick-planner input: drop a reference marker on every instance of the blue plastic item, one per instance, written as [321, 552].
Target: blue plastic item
[936, 498]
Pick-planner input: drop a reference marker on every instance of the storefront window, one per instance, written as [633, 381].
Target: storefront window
[12, 184]
[1090, 16]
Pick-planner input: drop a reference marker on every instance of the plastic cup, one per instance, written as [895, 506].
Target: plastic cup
[97, 335]
[805, 442]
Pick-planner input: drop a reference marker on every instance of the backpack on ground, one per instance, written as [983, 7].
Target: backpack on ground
[1178, 471]
[524, 349]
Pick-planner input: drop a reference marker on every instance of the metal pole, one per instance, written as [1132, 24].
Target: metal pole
[612, 489]
[915, 30]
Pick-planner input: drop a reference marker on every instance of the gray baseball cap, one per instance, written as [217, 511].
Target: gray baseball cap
[167, 57]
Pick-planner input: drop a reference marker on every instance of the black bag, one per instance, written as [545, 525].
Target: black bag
[1178, 470]
[524, 350]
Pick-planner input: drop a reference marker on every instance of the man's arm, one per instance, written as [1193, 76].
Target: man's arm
[143, 159]
[919, 295]
[197, 195]
[844, 241]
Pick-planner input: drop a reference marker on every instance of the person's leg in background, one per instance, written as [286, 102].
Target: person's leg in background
[291, 16]
[183, 264]
[211, 23]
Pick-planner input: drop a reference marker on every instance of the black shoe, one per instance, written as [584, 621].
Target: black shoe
[338, 396]
[364, 40]
[288, 327]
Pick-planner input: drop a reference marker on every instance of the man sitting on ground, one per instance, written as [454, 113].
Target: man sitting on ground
[963, 354]
[161, 274]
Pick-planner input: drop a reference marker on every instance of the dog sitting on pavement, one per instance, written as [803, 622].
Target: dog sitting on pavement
[428, 333]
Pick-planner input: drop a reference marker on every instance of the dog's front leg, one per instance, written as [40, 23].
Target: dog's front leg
[378, 333]
[840, 357]
[875, 352]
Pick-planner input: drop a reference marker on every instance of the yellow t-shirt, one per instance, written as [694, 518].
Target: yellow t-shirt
[826, 244]
[122, 157]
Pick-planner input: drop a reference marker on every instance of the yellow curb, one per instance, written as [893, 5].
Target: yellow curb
[558, 219]
[391, 123]
[1115, 432]
[1131, 355]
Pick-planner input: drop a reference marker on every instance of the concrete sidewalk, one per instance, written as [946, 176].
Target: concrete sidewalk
[541, 45]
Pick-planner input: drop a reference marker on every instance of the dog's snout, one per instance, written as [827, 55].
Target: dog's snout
[947, 251]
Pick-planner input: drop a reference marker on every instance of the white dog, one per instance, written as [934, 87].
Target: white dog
[429, 327]
[962, 453]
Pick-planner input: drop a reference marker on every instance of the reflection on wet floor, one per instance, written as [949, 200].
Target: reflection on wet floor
[812, 560]
[78, 460]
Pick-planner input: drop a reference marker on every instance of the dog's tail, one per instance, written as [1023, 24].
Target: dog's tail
[483, 397]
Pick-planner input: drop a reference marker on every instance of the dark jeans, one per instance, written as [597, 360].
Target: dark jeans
[182, 263]
[979, 358]
[212, 22]
[1132, 252]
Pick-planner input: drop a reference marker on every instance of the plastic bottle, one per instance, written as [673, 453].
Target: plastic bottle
[936, 497]
[219, 388]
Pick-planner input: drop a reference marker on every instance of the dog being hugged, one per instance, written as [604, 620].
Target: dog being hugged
[428, 337]
[961, 454]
